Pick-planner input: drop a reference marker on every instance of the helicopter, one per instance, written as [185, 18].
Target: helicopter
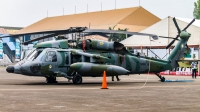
[91, 57]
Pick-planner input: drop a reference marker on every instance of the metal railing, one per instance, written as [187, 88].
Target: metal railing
[9, 52]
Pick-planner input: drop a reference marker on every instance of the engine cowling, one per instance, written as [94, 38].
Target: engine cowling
[100, 45]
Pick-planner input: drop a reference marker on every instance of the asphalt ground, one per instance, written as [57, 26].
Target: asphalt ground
[131, 94]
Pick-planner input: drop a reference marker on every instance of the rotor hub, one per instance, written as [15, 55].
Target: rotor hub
[184, 35]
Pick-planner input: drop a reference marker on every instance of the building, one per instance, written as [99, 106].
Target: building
[135, 19]
[9, 30]
[8, 43]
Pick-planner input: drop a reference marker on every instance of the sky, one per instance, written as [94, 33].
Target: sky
[22, 13]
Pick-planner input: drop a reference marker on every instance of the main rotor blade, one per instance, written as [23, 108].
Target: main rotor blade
[101, 34]
[188, 25]
[179, 31]
[103, 31]
[169, 37]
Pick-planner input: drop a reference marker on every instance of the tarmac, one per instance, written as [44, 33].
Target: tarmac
[131, 94]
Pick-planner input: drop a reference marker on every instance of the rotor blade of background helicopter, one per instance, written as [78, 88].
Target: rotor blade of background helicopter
[39, 38]
[118, 32]
[63, 31]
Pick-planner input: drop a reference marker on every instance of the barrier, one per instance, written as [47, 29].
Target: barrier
[104, 82]
[179, 72]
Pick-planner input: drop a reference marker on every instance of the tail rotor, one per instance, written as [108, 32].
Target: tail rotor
[179, 31]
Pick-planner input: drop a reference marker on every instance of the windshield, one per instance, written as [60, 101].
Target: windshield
[30, 53]
[34, 54]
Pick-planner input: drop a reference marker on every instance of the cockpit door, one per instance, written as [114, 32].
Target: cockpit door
[64, 61]
[50, 65]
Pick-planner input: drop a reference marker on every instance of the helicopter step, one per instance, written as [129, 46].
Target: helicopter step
[162, 79]
[64, 74]
[76, 79]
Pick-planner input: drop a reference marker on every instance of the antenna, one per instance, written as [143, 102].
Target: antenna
[75, 9]
[101, 6]
[63, 11]
[139, 2]
[115, 4]
[87, 7]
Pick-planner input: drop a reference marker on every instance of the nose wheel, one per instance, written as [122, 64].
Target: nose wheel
[51, 80]
[162, 79]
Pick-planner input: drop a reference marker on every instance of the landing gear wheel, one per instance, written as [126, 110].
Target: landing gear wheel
[162, 79]
[51, 80]
[77, 79]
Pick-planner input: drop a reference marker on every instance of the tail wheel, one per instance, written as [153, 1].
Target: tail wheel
[77, 79]
[162, 79]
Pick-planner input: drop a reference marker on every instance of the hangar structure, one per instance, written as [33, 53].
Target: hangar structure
[8, 43]
[135, 19]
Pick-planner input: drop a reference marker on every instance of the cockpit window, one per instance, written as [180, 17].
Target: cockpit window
[51, 57]
[30, 53]
[34, 54]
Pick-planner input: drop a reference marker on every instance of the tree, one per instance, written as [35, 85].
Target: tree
[196, 12]
[117, 37]
[112, 36]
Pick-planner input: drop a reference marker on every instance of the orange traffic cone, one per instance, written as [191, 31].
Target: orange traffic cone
[104, 82]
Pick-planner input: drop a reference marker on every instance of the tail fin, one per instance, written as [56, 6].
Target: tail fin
[179, 49]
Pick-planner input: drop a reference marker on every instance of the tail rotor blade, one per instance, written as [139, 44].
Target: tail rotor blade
[188, 25]
[169, 37]
[179, 31]
[169, 45]
[186, 46]
[172, 42]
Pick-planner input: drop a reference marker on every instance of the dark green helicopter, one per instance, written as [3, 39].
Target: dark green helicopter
[89, 58]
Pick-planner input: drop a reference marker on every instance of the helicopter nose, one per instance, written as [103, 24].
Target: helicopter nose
[10, 69]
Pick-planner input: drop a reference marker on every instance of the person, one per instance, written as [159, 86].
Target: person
[116, 78]
[194, 69]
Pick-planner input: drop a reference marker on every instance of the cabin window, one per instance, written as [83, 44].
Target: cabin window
[51, 57]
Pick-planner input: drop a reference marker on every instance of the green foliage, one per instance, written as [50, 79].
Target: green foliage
[117, 37]
[196, 12]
